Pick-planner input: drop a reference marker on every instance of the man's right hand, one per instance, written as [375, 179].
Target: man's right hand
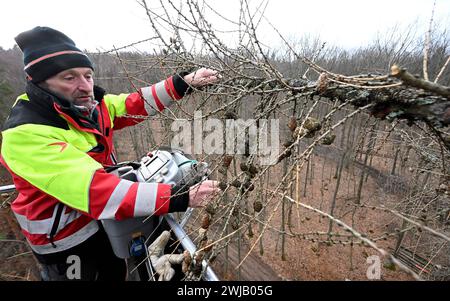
[202, 193]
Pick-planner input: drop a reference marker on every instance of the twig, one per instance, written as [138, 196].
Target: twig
[17, 255]
[442, 70]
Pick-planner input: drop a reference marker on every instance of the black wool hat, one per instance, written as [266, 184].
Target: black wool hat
[46, 52]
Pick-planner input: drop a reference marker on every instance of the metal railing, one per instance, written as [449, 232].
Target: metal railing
[7, 188]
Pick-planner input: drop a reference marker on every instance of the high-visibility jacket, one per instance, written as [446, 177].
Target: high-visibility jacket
[56, 157]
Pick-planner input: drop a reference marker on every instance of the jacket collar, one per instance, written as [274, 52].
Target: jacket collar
[43, 99]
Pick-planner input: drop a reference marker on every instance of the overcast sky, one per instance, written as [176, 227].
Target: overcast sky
[100, 24]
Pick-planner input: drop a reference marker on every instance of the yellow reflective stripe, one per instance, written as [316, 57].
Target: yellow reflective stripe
[37, 154]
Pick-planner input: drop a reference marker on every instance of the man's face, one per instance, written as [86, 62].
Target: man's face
[75, 85]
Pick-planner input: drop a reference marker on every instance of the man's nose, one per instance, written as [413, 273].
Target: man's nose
[84, 85]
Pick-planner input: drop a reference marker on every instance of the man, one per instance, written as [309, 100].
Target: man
[57, 141]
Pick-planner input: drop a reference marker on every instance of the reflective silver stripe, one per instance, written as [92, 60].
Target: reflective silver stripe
[115, 199]
[68, 242]
[67, 219]
[44, 226]
[145, 199]
[150, 104]
[34, 227]
[163, 96]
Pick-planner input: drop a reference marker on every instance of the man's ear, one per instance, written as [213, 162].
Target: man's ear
[44, 85]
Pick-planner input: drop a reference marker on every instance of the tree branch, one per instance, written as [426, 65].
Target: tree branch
[413, 81]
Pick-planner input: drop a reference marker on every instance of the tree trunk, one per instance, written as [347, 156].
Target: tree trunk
[306, 179]
[400, 238]
[283, 216]
[333, 202]
[394, 165]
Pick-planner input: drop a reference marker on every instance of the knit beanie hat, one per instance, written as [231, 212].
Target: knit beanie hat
[46, 52]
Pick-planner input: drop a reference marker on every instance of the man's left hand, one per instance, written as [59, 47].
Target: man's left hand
[202, 77]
